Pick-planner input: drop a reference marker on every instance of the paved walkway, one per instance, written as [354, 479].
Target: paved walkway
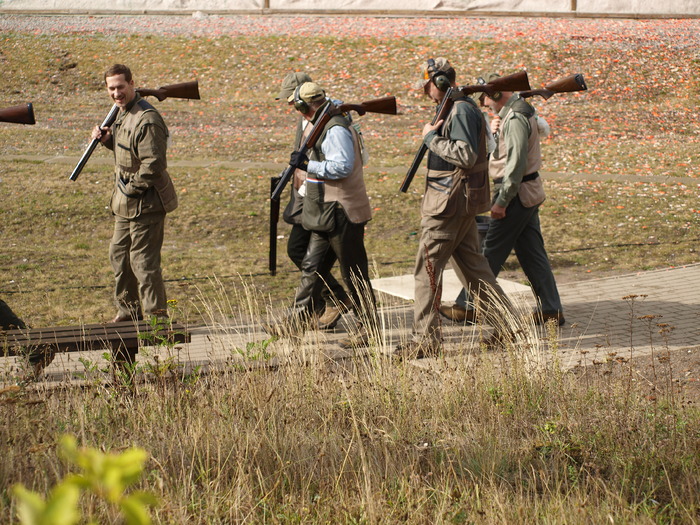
[610, 318]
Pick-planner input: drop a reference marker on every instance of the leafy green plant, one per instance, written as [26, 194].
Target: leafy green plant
[107, 475]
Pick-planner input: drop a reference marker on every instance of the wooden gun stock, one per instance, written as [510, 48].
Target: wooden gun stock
[515, 82]
[187, 90]
[22, 114]
[564, 85]
[384, 105]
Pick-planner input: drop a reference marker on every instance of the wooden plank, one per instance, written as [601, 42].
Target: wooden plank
[127, 335]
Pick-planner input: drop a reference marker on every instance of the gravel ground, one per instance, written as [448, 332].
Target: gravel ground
[673, 33]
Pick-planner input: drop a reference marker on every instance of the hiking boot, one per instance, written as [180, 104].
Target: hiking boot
[333, 312]
[541, 318]
[416, 350]
[458, 313]
[330, 317]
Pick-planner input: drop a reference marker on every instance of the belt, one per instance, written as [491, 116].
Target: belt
[526, 178]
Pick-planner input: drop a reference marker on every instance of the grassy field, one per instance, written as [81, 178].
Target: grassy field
[58, 231]
[485, 440]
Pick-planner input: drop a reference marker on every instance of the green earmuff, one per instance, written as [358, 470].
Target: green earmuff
[439, 78]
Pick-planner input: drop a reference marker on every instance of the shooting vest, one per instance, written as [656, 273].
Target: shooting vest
[531, 189]
[160, 196]
[350, 192]
[446, 183]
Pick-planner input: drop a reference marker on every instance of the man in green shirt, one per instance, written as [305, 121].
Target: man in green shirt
[518, 194]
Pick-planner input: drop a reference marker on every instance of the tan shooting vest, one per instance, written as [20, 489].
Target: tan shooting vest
[350, 192]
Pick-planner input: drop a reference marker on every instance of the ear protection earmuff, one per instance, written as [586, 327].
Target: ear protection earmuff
[495, 96]
[299, 104]
[439, 78]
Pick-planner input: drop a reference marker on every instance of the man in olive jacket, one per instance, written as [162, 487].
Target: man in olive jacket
[143, 193]
[456, 190]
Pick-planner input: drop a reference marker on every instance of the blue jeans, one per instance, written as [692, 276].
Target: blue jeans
[520, 230]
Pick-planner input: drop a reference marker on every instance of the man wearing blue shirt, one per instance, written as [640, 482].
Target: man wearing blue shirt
[336, 209]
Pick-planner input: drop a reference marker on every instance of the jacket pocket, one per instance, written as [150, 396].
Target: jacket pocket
[531, 192]
[316, 214]
[438, 189]
[123, 157]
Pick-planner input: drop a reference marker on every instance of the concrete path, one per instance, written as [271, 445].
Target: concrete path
[610, 318]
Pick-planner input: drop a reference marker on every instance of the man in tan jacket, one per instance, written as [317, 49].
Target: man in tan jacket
[143, 193]
[456, 190]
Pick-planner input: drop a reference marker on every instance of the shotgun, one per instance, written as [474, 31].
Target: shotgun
[188, 90]
[442, 111]
[515, 82]
[274, 219]
[385, 105]
[563, 85]
[22, 114]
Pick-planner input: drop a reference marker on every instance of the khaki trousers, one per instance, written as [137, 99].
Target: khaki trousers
[442, 238]
[135, 256]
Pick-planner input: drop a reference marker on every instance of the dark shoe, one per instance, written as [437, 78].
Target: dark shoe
[122, 318]
[359, 339]
[497, 341]
[458, 313]
[545, 317]
[416, 350]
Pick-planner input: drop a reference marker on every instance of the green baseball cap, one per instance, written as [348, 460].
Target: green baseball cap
[290, 83]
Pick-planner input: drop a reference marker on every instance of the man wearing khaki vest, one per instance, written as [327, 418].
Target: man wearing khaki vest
[143, 193]
[336, 209]
[518, 193]
[456, 190]
[330, 300]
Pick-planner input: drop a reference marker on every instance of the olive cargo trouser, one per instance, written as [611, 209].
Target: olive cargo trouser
[135, 256]
[442, 238]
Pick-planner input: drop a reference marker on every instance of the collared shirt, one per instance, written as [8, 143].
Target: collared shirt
[339, 151]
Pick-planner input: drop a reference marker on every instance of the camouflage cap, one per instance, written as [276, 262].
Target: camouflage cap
[309, 92]
[488, 77]
[290, 83]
